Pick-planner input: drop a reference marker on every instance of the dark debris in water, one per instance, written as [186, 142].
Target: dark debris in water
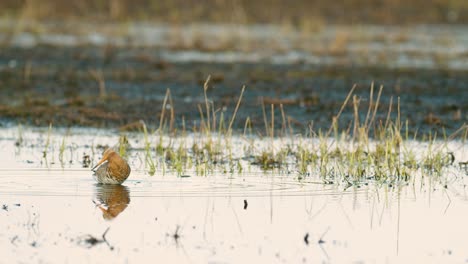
[13, 240]
[321, 241]
[176, 235]
[464, 166]
[91, 241]
[86, 160]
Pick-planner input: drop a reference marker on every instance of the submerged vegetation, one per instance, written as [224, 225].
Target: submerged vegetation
[367, 149]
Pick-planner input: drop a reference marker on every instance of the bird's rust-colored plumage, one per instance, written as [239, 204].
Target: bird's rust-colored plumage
[111, 169]
[111, 199]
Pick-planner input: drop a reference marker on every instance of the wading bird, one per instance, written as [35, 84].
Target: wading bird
[111, 169]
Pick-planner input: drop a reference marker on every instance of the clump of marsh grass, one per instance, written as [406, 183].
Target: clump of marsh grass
[353, 156]
[20, 140]
[62, 149]
[124, 145]
[47, 145]
[372, 147]
[150, 164]
[368, 149]
[211, 139]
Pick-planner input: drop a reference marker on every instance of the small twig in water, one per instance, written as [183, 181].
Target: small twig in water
[92, 241]
[321, 241]
[13, 240]
[449, 202]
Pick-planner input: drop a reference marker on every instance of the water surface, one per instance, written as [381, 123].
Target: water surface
[58, 214]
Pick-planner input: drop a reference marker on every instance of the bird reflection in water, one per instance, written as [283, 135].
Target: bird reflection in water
[111, 199]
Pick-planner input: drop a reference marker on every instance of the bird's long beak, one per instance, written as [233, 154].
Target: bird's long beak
[99, 164]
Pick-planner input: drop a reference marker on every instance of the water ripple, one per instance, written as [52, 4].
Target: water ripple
[78, 182]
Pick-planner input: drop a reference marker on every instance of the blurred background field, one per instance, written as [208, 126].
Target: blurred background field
[109, 63]
[299, 13]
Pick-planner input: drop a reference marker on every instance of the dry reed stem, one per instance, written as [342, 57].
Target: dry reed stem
[202, 117]
[377, 101]
[207, 105]
[370, 104]
[163, 111]
[235, 110]
[272, 132]
[356, 116]
[387, 120]
[171, 104]
[283, 124]
[264, 117]
[341, 109]
[99, 77]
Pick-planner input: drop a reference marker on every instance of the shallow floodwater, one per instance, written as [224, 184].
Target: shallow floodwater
[54, 214]
[48, 215]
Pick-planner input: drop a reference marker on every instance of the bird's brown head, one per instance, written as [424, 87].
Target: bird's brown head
[108, 155]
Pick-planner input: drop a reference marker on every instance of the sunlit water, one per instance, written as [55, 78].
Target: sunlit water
[49, 214]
